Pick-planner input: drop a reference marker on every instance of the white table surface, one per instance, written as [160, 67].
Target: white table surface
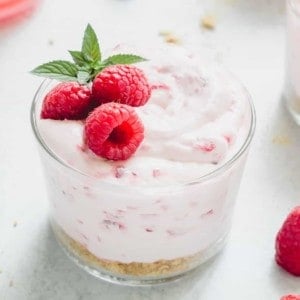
[249, 38]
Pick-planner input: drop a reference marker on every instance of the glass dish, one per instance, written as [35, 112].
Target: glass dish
[139, 235]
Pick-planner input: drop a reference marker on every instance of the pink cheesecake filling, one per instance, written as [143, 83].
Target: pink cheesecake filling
[197, 119]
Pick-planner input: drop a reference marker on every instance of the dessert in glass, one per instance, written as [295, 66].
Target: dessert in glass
[164, 206]
[292, 85]
[14, 10]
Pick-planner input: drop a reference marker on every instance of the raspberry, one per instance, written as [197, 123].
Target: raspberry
[121, 83]
[68, 100]
[113, 131]
[291, 297]
[288, 243]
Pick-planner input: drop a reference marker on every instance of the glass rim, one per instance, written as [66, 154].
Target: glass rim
[205, 177]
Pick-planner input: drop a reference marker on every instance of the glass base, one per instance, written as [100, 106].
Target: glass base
[131, 280]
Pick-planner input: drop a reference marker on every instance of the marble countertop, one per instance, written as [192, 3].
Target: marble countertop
[249, 39]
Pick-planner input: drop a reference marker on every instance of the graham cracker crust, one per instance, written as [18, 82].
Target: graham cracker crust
[158, 268]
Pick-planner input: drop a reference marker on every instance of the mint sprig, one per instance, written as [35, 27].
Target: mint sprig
[90, 47]
[87, 62]
[123, 59]
[61, 70]
[78, 58]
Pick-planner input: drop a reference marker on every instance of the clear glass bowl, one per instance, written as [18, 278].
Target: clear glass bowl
[139, 234]
[292, 84]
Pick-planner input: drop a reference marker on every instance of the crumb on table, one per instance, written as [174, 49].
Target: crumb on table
[208, 22]
[281, 140]
[170, 37]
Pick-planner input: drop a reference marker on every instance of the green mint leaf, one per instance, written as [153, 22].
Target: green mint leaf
[90, 46]
[124, 59]
[83, 77]
[78, 58]
[59, 69]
